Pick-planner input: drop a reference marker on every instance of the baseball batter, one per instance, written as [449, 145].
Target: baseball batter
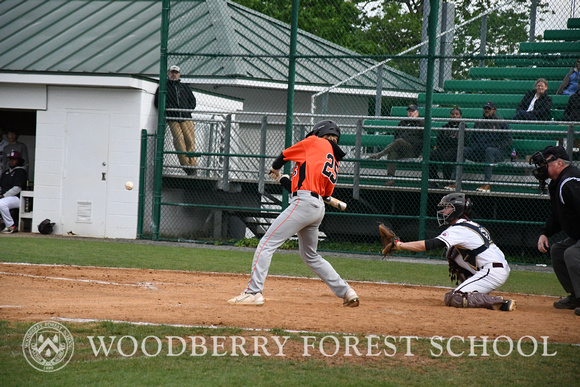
[313, 177]
[474, 259]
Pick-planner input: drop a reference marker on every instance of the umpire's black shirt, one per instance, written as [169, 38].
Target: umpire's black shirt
[565, 203]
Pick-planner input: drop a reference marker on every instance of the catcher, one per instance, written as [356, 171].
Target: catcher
[476, 264]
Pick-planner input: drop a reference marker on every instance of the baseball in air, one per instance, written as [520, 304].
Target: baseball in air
[129, 185]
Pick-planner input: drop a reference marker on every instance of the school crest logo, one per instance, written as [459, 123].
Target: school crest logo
[48, 346]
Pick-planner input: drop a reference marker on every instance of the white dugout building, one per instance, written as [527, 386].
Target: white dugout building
[77, 80]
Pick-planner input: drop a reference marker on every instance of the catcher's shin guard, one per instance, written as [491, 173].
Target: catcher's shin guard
[473, 300]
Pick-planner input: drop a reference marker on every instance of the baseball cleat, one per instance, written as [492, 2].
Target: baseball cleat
[9, 230]
[350, 299]
[569, 302]
[247, 299]
[508, 306]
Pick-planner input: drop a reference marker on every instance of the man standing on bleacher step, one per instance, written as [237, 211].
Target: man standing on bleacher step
[13, 180]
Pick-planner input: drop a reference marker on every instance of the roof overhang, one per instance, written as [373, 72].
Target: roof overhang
[93, 80]
[314, 89]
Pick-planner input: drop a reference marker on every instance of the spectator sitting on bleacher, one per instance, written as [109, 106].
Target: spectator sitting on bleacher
[446, 149]
[570, 83]
[536, 104]
[407, 143]
[572, 112]
[489, 146]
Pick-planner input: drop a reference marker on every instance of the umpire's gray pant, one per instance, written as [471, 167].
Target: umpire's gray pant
[566, 263]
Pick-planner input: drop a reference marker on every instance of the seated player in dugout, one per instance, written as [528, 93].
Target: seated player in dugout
[476, 264]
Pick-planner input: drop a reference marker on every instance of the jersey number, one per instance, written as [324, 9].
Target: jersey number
[330, 168]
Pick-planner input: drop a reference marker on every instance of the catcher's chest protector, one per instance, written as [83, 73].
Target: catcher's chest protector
[470, 256]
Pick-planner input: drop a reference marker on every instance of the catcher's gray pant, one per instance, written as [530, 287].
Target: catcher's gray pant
[566, 263]
[485, 280]
[302, 216]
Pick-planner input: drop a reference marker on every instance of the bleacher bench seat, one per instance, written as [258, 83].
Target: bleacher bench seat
[518, 73]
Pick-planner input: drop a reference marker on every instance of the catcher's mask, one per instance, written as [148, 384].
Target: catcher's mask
[323, 128]
[458, 202]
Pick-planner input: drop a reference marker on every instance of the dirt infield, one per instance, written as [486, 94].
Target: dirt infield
[40, 292]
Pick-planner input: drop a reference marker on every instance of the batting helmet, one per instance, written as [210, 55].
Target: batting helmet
[461, 207]
[46, 227]
[323, 128]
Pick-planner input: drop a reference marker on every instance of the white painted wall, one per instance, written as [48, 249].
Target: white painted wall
[87, 147]
[86, 127]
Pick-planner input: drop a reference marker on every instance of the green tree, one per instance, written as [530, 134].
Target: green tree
[389, 27]
[333, 20]
[506, 27]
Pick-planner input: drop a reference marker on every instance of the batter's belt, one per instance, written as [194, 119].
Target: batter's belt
[313, 194]
[494, 264]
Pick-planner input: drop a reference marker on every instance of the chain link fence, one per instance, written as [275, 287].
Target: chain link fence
[362, 64]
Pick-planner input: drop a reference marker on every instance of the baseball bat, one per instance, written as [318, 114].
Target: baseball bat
[335, 203]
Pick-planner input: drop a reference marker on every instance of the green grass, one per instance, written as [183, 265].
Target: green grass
[170, 257]
[429, 365]
[422, 369]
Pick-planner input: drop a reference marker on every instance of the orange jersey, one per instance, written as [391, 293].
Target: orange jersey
[316, 167]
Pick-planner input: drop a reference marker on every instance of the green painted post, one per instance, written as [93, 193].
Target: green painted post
[432, 32]
[142, 177]
[160, 120]
[291, 83]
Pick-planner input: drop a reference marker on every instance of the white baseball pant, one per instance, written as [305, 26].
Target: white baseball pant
[6, 204]
[302, 216]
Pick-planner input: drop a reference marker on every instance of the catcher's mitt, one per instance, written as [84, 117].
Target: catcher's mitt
[457, 273]
[388, 239]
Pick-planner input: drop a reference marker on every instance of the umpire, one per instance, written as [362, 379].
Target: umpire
[564, 191]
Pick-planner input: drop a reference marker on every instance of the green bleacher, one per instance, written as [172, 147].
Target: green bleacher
[478, 100]
[505, 86]
[568, 35]
[519, 73]
[550, 47]
[472, 113]
[535, 60]
[491, 86]
[367, 140]
[573, 23]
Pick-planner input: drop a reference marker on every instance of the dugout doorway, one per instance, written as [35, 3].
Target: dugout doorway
[24, 122]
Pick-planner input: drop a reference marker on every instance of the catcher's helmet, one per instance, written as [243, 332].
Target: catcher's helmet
[323, 128]
[461, 206]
